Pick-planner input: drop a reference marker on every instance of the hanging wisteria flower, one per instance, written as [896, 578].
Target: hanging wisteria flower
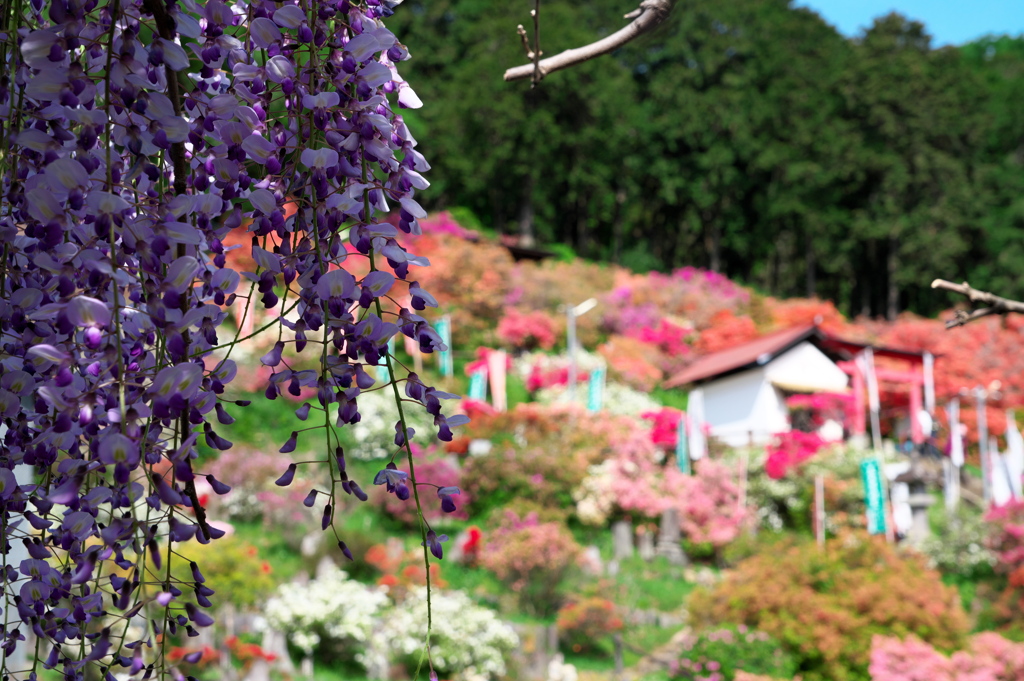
[135, 136]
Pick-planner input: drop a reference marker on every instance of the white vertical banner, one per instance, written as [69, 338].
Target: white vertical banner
[929, 383]
[1014, 456]
[873, 400]
[497, 363]
[956, 442]
[1002, 492]
[695, 412]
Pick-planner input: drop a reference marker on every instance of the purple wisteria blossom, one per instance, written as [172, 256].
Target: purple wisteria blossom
[134, 137]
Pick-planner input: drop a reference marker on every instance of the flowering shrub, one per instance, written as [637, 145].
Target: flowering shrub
[708, 503]
[787, 502]
[719, 653]
[790, 449]
[1007, 535]
[959, 545]
[726, 330]
[250, 472]
[330, 614]
[527, 330]
[400, 569]
[632, 362]
[689, 293]
[374, 434]
[468, 641]
[440, 470]
[989, 657]
[664, 426]
[824, 606]
[547, 456]
[817, 408]
[247, 653]
[233, 569]
[469, 281]
[531, 557]
[583, 623]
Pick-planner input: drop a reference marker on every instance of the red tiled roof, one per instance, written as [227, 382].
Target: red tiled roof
[764, 348]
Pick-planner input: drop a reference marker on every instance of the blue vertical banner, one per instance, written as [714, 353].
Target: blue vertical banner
[478, 385]
[874, 497]
[595, 395]
[682, 453]
[443, 326]
[383, 375]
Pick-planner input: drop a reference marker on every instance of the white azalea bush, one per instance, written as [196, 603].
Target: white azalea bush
[375, 432]
[331, 611]
[468, 642]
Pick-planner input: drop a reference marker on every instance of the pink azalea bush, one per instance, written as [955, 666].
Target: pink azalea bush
[531, 557]
[708, 504]
[440, 471]
[1007, 540]
[527, 330]
[989, 657]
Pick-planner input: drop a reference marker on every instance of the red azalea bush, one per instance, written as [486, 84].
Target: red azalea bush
[790, 449]
[989, 657]
[527, 330]
[583, 623]
[665, 426]
[532, 558]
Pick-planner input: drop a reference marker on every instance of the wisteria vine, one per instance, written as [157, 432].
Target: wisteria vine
[134, 136]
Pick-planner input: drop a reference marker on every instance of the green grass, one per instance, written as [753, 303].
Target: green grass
[646, 638]
[657, 585]
[670, 398]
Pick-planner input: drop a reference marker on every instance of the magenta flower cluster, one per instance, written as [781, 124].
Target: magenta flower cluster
[134, 135]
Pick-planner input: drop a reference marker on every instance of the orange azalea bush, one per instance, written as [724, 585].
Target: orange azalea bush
[825, 605]
[583, 623]
[632, 361]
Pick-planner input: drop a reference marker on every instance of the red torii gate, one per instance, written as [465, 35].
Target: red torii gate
[917, 379]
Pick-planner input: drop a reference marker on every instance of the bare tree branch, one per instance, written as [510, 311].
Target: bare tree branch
[650, 14]
[994, 304]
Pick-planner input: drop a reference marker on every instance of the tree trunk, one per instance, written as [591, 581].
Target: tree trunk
[526, 233]
[892, 265]
[713, 242]
[620, 198]
[812, 264]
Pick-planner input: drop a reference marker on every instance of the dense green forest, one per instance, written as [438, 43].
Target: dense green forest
[746, 136]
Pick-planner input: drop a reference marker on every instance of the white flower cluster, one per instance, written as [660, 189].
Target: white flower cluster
[618, 399]
[468, 641]
[375, 432]
[242, 504]
[331, 607]
[594, 498]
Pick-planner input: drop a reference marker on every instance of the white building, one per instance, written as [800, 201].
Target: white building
[745, 387]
